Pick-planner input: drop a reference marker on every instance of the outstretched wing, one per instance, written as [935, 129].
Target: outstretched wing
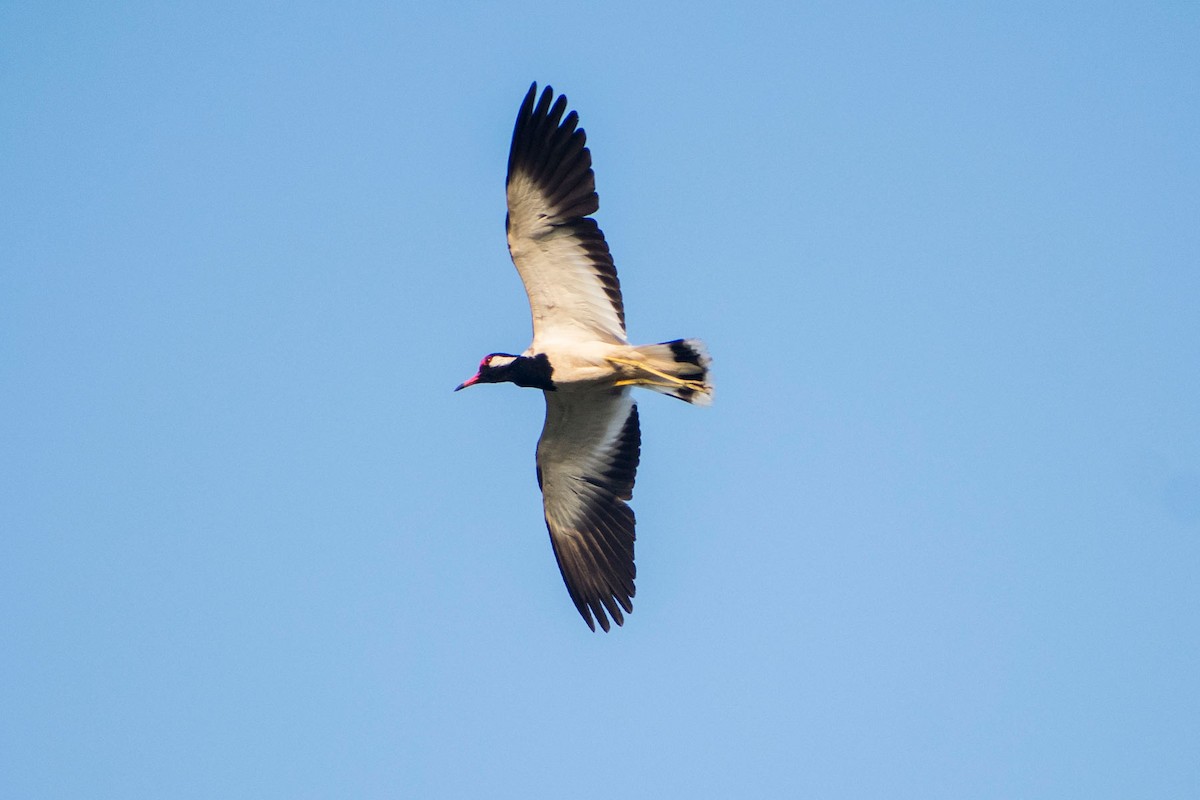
[557, 248]
[587, 460]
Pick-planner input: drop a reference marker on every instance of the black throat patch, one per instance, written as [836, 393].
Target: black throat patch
[532, 373]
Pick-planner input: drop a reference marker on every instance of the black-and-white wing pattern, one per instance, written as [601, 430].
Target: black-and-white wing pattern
[587, 461]
[558, 250]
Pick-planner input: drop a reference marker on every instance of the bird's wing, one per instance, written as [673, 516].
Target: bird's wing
[587, 460]
[557, 248]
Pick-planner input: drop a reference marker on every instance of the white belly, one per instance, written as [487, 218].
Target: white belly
[587, 365]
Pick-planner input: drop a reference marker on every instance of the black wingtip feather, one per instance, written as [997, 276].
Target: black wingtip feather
[552, 151]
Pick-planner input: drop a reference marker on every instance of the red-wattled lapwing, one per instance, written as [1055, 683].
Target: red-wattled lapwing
[587, 457]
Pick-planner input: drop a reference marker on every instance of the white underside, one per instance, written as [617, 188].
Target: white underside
[585, 365]
[588, 366]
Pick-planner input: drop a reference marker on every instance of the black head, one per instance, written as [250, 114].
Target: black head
[494, 368]
[532, 372]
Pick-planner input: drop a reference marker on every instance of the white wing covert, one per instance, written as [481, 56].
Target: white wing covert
[557, 248]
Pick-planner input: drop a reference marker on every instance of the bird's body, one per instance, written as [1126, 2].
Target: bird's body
[580, 358]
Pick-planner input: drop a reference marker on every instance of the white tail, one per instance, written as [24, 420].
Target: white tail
[678, 368]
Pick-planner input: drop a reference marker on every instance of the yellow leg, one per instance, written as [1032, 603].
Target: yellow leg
[666, 381]
[671, 379]
[645, 382]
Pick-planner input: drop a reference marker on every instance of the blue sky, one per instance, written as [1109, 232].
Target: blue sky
[937, 537]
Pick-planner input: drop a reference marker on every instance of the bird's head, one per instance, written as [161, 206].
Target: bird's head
[494, 368]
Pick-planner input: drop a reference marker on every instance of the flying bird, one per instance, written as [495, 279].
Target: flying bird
[580, 358]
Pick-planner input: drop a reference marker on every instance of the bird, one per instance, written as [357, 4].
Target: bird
[580, 357]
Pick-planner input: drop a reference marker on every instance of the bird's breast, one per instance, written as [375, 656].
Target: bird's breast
[585, 366]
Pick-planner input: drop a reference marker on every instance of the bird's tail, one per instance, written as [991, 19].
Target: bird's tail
[678, 368]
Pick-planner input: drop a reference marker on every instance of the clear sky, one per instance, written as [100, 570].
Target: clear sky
[938, 537]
